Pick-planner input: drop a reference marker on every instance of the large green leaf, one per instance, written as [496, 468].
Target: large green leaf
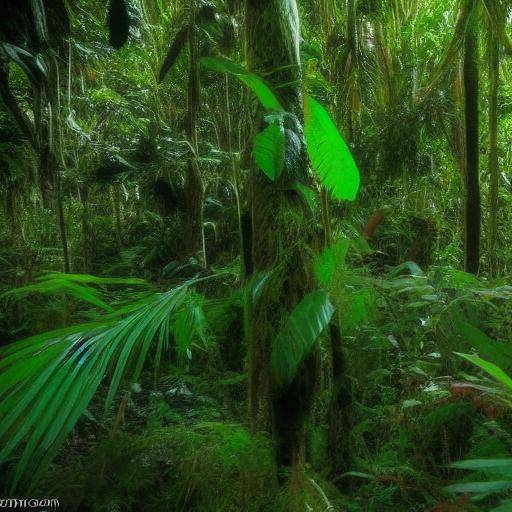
[48, 380]
[329, 154]
[263, 92]
[494, 371]
[269, 150]
[298, 334]
[498, 352]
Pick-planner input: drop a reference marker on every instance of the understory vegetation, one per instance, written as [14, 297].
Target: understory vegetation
[255, 255]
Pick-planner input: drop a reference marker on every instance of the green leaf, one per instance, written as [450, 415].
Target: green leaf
[47, 381]
[480, 487]
[257, 85]
[307, 194]
[74, 285]
[298, 334]
[505, 506]
[268, 150]
[498, 466]
[329, 154]
[331, 257]
[32, 65]
[494, 371]
[324, 266]
[358, 309]
[498, 352]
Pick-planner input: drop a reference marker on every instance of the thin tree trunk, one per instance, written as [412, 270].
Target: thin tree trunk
[493, 62]
[83, 194]
[193, 182]
[235, 174]
[472, 180]
[116, 200]
[62, 225]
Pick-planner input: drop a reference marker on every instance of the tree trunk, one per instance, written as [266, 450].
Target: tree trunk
[62, 221]
[87, 239]
[472, 182]
[493, 61]
[280, 230]
[116, 204]
[193, 181]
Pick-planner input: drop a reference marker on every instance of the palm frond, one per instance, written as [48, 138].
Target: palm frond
[48, 380]
[83, 287]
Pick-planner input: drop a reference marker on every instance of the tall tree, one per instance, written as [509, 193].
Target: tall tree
[193, 180]
[472, 208]
[493, 72]
[280, 231]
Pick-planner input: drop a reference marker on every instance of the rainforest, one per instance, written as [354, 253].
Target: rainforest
[255, 255]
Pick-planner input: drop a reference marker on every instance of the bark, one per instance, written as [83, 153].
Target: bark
[493, 72]
[193, 182]
[116, 203]
[280, 231]
[339, 413]
[87, 238]
[472, 180]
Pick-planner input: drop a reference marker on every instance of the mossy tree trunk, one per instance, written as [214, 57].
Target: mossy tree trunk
[280, 233]
[493, 71]
[472, 180]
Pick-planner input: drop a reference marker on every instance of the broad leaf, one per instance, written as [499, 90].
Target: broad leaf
[298, 334]
[497, 352]
[269, 151]
[493, 370]
[329, 154]
[255, 83]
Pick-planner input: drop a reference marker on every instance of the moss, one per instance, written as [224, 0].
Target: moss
[210, 467]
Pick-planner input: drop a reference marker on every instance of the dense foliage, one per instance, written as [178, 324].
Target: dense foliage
[255, 254]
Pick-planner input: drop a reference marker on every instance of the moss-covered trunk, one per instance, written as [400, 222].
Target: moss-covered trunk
[280, 233]
[493, 72]
[472, 179]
